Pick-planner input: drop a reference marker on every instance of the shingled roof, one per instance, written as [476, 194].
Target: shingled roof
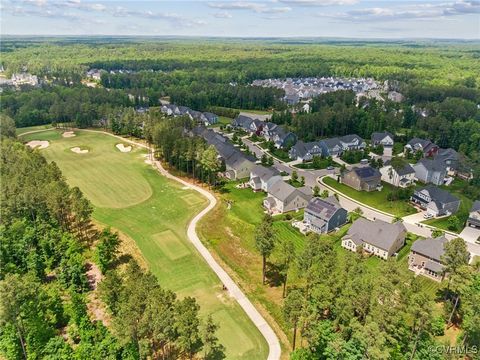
[430, 247]
[377, 233]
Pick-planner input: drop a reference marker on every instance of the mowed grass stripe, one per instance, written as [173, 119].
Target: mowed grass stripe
[167, 212]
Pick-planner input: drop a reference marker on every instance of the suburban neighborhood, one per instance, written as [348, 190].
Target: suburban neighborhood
[170, 194]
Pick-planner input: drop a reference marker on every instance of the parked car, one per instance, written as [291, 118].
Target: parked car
[427, 216]
[330, 168]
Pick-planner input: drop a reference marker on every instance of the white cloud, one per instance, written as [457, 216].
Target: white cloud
[223, 15]
[319, 2]
[258, 7]
[73, 9]
[409, 11]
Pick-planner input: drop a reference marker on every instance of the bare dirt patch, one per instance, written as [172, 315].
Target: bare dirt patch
[68, 134]
[39, 144]
[78, 150]
[124, 148]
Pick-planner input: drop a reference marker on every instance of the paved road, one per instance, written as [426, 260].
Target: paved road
[310, 175]
[234, 291]
[265, 117]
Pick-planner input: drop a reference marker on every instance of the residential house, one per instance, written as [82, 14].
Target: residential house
[377, 237]
[262, 178]
[428, 148]
[474, 216]
[238, 165]
[402, 177]
[449, 158]
[362, 178]
[210, 118]
[291, 99]
[336, 146]
[436, 201]
[430, 171]
[324, 215]
[282, 138]
[242, 122]
[425, 257]
[305, 151]
[268, 130]
[256, 127]
[283, 197]
[382, 138]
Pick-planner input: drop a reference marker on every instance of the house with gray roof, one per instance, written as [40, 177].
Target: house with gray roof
[268, 130]
[242, 122]
[238, 165]
[283, 197]
[436, 201]
[425, 257]
[305, 151]
[450, 159]
[210, 118]
[428, 148]
[474, 215]
[324, 215]
[362, 178]
[402, 177]
[377, 237]
[283, 138]
[262, 178]
[337, 145]
[382, 138]
[431, 171]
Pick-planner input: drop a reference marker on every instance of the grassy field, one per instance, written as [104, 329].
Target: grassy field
[376, 199]
[463, 212]
[32, 128]
[132, 197]
[222, 120]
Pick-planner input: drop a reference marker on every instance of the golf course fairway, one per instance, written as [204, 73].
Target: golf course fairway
[132, 197]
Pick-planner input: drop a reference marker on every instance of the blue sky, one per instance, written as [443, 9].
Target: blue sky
[270, 18]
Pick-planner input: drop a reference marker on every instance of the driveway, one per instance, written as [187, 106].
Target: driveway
[470, 234]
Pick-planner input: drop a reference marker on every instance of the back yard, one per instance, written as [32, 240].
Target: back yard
[376, 199]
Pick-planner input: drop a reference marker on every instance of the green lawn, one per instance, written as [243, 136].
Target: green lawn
[323, 164]
[280, 154]
[32, 128]
[222, 120]
[132, 197]
[259, 112]
[376, 199]
[463, 212]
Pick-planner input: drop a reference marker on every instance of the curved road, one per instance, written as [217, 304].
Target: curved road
[261, 324]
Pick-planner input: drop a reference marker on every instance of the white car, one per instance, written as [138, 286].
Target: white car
[427, 216]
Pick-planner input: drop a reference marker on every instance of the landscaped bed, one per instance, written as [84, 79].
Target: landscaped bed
[376, 199]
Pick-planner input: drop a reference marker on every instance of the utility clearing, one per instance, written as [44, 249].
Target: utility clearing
[153, 212]
[38, 144]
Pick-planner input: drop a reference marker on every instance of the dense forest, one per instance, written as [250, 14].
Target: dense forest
[49, 253]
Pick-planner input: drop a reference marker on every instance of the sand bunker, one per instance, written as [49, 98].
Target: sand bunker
[38, 144]
[68, 134]
[78, 150]
[124, 148]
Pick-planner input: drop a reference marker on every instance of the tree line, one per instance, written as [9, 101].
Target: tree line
[341, 308]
